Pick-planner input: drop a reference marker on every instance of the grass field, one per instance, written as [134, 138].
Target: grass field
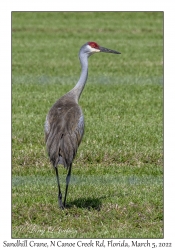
[116, 189]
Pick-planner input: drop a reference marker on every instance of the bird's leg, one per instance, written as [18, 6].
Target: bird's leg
[67, 183]
[59, 190]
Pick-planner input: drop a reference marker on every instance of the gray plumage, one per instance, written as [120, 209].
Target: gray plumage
[64, 126]
[64, 129]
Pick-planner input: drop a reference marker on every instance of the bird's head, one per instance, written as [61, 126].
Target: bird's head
[92, 47]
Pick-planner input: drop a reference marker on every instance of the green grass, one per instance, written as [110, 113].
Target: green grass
[116, 189]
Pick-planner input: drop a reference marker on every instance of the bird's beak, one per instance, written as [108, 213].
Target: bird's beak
[102, 49]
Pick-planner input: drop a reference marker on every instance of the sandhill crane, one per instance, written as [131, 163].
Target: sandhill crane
[64, 126]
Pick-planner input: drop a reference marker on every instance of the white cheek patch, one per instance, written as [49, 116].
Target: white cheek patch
[93, 50]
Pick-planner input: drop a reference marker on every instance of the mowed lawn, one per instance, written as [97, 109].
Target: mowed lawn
[116, 188]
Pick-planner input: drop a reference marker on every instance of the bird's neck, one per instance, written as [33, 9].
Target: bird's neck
[77, 90]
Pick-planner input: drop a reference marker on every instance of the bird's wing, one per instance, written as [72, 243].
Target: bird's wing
[64, 130]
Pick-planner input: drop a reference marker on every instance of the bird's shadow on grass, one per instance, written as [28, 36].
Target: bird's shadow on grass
[86, 203]
[89, 202]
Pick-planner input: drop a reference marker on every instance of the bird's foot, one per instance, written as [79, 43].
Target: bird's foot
[62, 207]
[60, 203]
